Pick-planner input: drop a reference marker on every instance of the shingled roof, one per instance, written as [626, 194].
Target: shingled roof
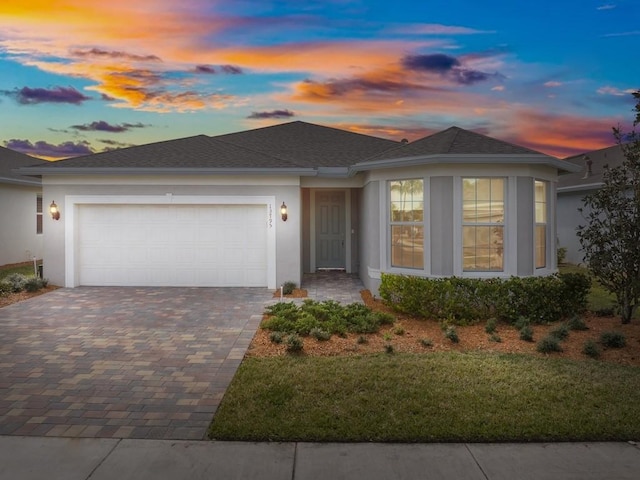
[454, 141]
[590, 176]
[310, 145]
[198, 152]
[297, 148]
[11, 160]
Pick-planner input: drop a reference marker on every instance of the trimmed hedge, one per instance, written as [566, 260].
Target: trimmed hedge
[470, 300]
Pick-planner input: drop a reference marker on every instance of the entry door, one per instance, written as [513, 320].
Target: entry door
[330, 229]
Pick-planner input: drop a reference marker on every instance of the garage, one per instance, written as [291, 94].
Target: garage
[210, 245]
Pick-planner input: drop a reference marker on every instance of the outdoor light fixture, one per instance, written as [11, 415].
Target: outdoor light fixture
[283, 212]
[53, 210]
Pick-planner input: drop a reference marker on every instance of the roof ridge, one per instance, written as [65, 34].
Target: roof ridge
[252, 150]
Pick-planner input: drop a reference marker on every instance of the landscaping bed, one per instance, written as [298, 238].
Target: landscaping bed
[409, 335]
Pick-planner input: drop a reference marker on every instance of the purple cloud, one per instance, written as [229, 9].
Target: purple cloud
[49, 150]
[212, 70]
[272, 114]
[205, 69]
[437, 62]
[446, 66]
[102, 126]
[114, 145]
[231, 69]
[96, 52]
[33, 96]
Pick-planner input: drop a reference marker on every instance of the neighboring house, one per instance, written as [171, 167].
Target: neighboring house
[20, 209]
[206, 211]
[572, 189]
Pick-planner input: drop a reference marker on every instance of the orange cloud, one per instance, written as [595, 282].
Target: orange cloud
[558, 135]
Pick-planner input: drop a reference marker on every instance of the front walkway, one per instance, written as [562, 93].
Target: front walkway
[114, 362]
[342, 287]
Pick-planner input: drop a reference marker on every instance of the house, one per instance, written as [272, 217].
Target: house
[573, 187]
[20, 209]
[263, 206]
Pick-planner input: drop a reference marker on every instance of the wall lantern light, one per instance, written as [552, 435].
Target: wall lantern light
[53, 210]
[283, 212]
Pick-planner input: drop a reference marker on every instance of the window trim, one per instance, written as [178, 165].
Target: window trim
[502, 225]
[545, 224]
[39, 215]
[510, 258]
[390, 223]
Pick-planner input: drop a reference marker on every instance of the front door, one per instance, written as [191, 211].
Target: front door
[330, 229]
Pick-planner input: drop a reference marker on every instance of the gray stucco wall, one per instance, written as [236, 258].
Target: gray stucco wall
[568, 220]
[369, 238]
[19, 241]
[288, 241]
[355, 229]
[306, 230]
[525, 226]
[440, 223]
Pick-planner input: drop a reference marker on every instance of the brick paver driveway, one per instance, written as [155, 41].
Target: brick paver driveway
[122, 362]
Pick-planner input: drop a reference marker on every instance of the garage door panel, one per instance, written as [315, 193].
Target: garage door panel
[172, 245]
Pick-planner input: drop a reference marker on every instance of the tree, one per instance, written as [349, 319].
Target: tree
[611, 239]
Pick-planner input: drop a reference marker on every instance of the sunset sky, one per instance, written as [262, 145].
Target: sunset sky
[82, 76]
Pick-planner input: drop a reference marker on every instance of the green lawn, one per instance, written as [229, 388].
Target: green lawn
[427, 398]
[599, 298]
[25, 269]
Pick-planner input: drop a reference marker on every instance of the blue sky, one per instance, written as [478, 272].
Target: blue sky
[81, 76]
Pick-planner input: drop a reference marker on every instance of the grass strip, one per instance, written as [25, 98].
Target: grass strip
[442, 397]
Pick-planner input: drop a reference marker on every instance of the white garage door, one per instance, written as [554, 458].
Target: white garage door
[172, 245]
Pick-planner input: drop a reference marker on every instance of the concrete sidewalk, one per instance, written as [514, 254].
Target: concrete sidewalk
[27, 458]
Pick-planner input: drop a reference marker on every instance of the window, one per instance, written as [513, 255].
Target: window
[483, 224]
[38, 214]
[407, 223]
[541, 223]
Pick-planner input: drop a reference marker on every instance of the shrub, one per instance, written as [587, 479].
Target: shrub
[5, 289]
[526, 333]
[388, 348]
[469, 300]
[591, 349]
[605, 312]
[319, 334]
[549, 344]
[288, 287]
[451, 333]
[276, 337]
[33, 284]
[385, 318]
[494, 337]
[279, 324]
[491, 325]
[613, 339]
[16, 281]
[329, 316]
[426, 342]
[561, 332]
[522, 322]
[561, 254]
[294, 343]
[398, 330]
[577, 323]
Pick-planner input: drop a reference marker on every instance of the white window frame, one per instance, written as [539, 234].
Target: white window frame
[509, 255]
[536, 224]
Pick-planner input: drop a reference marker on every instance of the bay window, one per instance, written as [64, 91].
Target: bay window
[483, 213]
[541, 223]
[407, 223]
